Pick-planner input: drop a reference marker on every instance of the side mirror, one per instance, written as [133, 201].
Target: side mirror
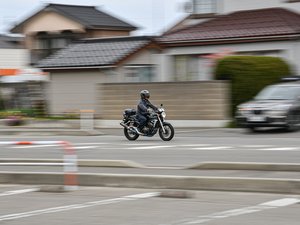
[161, 105]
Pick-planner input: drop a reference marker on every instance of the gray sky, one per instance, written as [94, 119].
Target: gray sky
[152, 16]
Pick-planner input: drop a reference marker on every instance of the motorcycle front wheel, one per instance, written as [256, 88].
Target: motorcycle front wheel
[130, 135]
[169, 132]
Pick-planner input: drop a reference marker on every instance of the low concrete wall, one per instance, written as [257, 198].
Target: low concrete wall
[197, 100]
[271, 185]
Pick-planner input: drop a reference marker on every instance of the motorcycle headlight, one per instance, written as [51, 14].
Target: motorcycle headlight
[163, 114]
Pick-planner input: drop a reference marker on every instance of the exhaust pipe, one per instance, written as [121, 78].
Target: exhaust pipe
[124, 125]
[133, 129]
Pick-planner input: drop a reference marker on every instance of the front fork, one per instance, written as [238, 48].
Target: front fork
[161, 124]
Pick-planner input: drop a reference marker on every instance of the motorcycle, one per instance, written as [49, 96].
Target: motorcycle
[155, 123]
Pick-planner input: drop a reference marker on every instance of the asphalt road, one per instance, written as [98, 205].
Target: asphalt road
[110, 206]
[22, 205]
[187, 148]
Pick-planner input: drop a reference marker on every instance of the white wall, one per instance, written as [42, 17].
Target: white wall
[73, 91]
[228, 6]
[14, 58]
[287, 50]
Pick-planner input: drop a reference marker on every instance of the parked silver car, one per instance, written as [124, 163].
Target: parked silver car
[275, 106]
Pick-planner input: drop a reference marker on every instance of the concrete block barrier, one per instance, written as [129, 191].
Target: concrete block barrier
[31, 178]
[290, 186]
[268, 185]
[292, 167]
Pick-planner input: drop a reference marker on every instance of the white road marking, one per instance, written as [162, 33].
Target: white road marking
[255, 146]
[237, 212]
[279, 149]
[33, 146]
[93, 143]
[141, 146]
[282, 202]
[35, 164]
[214, 148]
[152, 147]
[16, 192]
[84, 147]
[194, 145]
[77, 206]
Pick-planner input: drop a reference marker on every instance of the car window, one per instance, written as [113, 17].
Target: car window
[279, 93]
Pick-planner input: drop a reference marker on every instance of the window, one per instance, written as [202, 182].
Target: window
[58, 43]
[274, 53]
[186, 67]
[192, 68]
[139, 73]
[54, 41]
[43, 43]
[204, 6]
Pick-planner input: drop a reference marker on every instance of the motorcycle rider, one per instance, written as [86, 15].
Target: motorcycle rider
[143, 109]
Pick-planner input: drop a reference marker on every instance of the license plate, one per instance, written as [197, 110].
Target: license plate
[257, 119]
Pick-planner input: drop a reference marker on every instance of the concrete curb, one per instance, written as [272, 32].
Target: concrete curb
[286, 186]
[271, 185]
[292, 167]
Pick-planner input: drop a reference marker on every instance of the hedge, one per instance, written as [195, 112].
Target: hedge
[249, 75]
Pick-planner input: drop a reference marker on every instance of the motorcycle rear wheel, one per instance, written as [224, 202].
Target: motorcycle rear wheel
[169, 132]
[130, 135]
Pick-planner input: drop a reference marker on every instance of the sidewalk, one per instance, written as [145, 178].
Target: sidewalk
[48, 127]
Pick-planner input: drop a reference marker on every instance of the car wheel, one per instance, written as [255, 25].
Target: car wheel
[252, 129]
[293, 121]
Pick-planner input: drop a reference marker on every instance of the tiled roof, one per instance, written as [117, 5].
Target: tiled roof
[95, 52]
[88, 16]
[242, 24]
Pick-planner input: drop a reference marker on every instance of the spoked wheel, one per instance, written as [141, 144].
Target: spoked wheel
[169, 132]
[130, 135]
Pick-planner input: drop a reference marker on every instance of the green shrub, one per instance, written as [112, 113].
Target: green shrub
[16, 112]
[250, 74]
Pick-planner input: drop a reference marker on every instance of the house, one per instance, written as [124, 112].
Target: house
[20, 85]
[188, 52]
[178, 66]
[76, 70]
[56, 25]
[12, 52]
[181, 62]
[202, 10]
[106, 76]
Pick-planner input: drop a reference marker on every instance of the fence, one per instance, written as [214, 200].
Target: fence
[69, 162]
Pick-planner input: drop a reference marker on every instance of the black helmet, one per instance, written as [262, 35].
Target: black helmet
[145, 94]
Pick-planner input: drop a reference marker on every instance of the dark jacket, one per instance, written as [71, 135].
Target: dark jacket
[142, 108]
